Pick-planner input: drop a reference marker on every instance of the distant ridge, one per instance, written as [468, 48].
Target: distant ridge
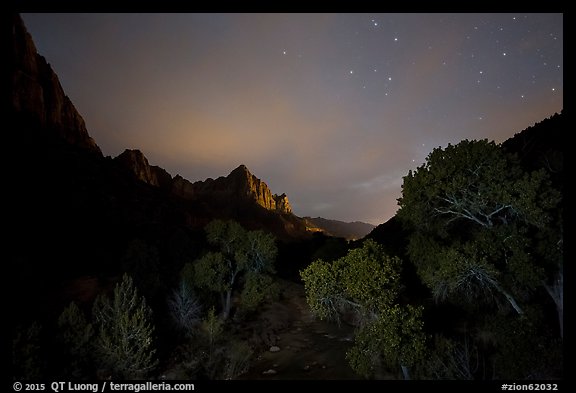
[347, 230]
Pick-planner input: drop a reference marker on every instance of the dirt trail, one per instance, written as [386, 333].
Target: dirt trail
[308, 348]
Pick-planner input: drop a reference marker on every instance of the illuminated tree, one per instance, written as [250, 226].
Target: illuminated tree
[476, 217]
[366, 282]
[239, 252]
[185, 308]
[124, 344]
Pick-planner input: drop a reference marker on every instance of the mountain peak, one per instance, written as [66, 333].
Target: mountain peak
[37, 93]
[244, 184]
[241, 171]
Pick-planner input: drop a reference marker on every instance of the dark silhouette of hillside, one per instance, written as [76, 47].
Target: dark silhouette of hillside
[347, 230]
[72, 211]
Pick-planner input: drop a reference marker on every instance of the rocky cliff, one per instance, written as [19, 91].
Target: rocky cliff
[244, 184]
[36, 92]
[239, 186]
[135, 161]
[103, 197]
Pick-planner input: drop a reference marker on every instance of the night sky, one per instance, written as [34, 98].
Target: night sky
[331, 109]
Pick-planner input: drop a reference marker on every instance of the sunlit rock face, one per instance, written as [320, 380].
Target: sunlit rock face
[240, 185]
[37, 94]
[246, 185]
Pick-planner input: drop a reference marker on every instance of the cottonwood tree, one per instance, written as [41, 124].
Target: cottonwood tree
[366, 282]
[476, 214]
[484, 229]
[125, 333]
[238, 252]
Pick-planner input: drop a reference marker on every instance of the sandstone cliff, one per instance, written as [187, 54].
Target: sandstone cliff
[36, 92]
[239, 185]
[135, 161]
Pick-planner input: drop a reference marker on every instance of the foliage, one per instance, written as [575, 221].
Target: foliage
[395, 337]
[124, 344]
[76, 335]
[453, 359]
[366, 281]
[26, 353]
[237, 360]
[477, 182]
[212, 328]
[474, 210]
[535, 354]
[184, 308]
[258, 288]
[239, 253]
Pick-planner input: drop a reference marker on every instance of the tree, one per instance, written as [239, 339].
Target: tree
[258, 288]
[27, 360]
[238, 252]
[367, 282]
[474, 213]
[124, 343]
[76, 335]
[185, 308]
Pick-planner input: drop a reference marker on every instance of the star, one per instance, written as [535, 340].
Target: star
[283, 52]
[396, 39]
[389, 78]
[351, 72]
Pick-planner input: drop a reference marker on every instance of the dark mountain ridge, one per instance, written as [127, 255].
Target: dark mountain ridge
[347, 230]
[72, 211]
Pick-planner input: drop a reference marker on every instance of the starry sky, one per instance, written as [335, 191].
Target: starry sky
[331, 109]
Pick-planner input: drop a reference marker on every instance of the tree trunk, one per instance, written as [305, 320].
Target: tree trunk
[227, 305]
[405, 372]
[556, 292]
[223, 303]
[510, 299]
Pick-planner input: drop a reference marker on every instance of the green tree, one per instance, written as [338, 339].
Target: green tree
[27, 360]
[367, 282]
[239, 252]
[258, 288]
[124, 343]
[474, 213]
[184, 308]
[76, 335]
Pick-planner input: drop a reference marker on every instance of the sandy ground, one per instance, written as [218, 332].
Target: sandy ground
[308, 348]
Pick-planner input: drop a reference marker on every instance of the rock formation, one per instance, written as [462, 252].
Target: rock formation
[240, 186]
[135, 161]
[37, 94]
[246, 185]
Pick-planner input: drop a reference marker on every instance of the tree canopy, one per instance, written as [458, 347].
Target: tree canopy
[366, 282]
[478, 220]
[238, 254]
